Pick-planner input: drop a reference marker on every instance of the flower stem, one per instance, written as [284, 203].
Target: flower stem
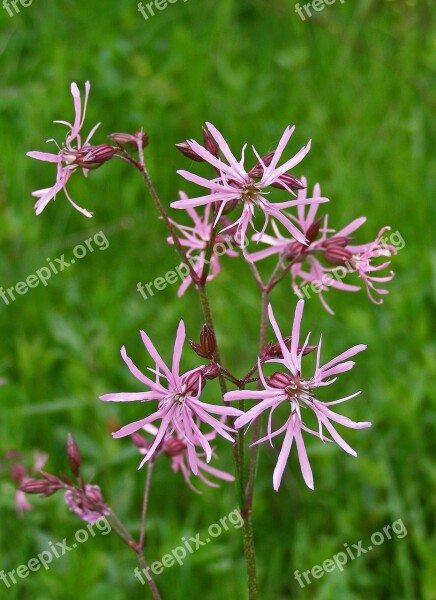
[145, 503]
[247, 527]
[256, 424]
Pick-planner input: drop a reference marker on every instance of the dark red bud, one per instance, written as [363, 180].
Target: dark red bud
[211, 371]
[337, 256]
[313, 230]
[192, 382]
[280, 380]
[288, 181]
[18, 472]
[294, 249]
[197, 349]
[207, 341]
[73, 455]
[275, 351]
[173, 446]
[186, 150]
[257, 170]
[209, 143]
[340, 241]
[139, 440]
[129, 140]
[38, 486]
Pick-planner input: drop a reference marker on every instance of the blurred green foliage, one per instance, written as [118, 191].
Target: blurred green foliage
[357, 78]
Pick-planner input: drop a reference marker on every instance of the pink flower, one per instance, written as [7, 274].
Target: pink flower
[87, 503]
[176, 448]
[290, 387]
[196, 239]
[237, 186]
[179, 408]
[67, 157]
[20, 474]
[332, 247]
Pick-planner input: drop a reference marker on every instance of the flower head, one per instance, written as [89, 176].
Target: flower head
[196, 240]
[72, 155]
[179, 408]
[289, 386]
[329, 256]
[236, 186]
[87, 503]
[175, 447]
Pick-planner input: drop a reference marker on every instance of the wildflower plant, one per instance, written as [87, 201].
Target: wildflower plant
[235, 208]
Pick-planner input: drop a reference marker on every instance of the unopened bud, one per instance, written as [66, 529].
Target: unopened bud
[193, 381]
[294, 249]
[173, 446]
[337, 256]
[89, 157]
[288, 181]
[340, 241]
[257, 170]
[207, 341]
[38, 486]
[211, 371]
[313, 230]
[275, 350]
[209, 143]
[186, 150]
[280, 380]
[197, 349]
[139, 440]
[73, 455]
[129, 140]
[18, 472]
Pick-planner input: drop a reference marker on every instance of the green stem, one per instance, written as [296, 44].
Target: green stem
[238, 455]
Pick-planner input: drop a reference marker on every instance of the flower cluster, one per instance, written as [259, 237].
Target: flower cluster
[179, 408]
[72, 155]
[328, 251]
[289, 386]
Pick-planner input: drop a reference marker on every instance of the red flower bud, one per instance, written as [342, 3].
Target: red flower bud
[129, 140]
[173, 446]
[211, 371]
[337, 256]
[313, 230]
[209, 143]
[207, 341]
[73, 455]
[280, 380]
[288, 181]
[186, 150]
[340, 241]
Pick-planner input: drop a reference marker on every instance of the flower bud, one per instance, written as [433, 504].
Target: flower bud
[89, 157]
[257, 170]
[192, 381]
[294, 249]
[288, 181]
[209, 143]
[197, 349]
[139, 440]
[173, 446]
[340, 240]
[337, 256]
[211, 371]
[186, 150]
[129, 140]
[38, 486]
[280, 380]
[313, 230]
[207, 341]
[73, 455]
[18, 472]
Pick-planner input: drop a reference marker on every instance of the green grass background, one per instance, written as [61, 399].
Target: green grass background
[357, 78]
